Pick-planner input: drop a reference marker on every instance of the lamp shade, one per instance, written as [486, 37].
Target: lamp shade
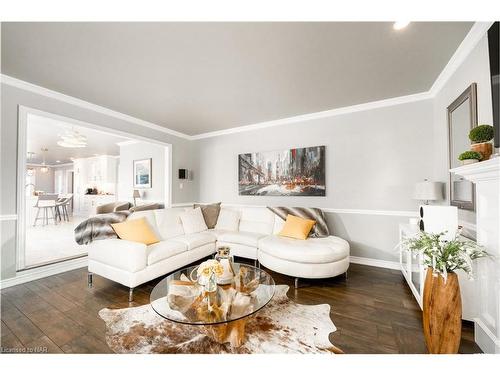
[428, 191]
[136, 194]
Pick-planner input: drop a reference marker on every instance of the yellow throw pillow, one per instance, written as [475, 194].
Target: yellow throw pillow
[297, 227]
[137, 230]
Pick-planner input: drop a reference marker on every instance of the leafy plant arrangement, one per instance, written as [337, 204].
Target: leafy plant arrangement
[482, 133]
[445, 256]
[466, 155]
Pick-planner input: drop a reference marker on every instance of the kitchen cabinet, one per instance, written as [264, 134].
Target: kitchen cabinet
[98, 172]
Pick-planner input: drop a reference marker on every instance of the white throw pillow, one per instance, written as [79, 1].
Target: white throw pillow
[228, 220]
[169, 222]
[193, 221]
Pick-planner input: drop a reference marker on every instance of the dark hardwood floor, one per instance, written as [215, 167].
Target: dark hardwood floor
[373, 310]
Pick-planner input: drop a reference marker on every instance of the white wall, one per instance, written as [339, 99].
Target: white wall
[475, 68]
[373, 160]
[43, 181]
[139, 151]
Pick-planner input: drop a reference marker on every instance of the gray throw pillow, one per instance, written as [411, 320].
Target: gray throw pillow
[320, 229]
[210, 213]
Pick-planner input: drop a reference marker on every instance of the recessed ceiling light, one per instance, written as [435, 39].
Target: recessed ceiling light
[400, 25]
[58, 161]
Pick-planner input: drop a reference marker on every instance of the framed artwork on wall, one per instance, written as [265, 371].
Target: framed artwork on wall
[142, 173]
[292, 172]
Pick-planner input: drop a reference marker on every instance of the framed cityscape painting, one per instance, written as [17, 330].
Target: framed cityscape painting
[142, 174]
[293, 172]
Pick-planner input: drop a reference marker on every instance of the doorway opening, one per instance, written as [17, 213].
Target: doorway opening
[71, 171]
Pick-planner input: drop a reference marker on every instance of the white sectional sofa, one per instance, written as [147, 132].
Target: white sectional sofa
[253, 235]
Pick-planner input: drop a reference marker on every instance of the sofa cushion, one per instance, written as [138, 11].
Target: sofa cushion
[122, 254]
[256, 219]
[210, 213]
[320, 229]
[169, 222]
[194, 240]
[297, 227]
[242, 238]
[312, 250]
[138, 230]
[164, 249]
[193, 221]
[228, 220]
[148, 215]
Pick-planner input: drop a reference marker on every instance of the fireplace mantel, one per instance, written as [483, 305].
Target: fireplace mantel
[486, 176]
[482, 171]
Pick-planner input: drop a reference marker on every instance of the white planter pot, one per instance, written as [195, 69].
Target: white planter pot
[469, 161]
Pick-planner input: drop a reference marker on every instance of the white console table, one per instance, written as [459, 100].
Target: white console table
[411, 264]
[414, 271]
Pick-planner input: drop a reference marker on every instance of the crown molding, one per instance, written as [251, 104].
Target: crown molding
[475, 34]
[11, 81]
[319, 115]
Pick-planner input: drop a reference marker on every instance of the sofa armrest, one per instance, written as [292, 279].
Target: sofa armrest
[125, 255]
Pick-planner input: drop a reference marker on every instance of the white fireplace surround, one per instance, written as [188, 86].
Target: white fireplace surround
[486, 176]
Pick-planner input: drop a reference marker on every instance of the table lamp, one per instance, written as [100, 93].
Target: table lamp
[136, 195]
[428, 191]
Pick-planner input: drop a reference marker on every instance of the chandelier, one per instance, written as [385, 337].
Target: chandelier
[72, 139]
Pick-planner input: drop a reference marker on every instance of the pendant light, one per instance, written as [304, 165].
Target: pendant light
[44, 168]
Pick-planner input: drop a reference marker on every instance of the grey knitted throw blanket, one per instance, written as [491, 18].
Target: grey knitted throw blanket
[99, 227]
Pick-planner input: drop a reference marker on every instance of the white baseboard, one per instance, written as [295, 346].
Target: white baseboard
[375, 262]
[485, 338]
[43, 271]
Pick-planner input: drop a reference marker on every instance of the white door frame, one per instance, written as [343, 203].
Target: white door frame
[23, 113]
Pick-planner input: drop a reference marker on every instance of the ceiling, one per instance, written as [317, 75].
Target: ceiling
[43, 132]
[201, 77]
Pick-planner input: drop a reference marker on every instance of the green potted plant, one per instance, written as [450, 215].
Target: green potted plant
[469, 157]
[442, 304]
[481, 137]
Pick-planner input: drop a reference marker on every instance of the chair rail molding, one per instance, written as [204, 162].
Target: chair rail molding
[12, 217]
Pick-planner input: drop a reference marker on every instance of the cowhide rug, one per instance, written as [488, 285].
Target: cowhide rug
[282, 326]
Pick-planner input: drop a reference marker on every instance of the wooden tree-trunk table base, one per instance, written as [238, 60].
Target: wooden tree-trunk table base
[232, 332]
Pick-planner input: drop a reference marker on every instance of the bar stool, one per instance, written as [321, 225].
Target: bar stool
[46, 203]
[62, 204]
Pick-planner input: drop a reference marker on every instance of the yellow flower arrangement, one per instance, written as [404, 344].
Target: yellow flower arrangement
[210, 266]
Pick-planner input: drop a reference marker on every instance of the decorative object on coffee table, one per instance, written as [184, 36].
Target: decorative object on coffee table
[442, 312]
[226, 260]
[283, 326]
[223, 311]
[481, 137]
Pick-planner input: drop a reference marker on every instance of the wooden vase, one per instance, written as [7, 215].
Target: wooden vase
[485, 149]
[442, 316]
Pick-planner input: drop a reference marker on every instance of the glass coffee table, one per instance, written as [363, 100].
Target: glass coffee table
[224, 312]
